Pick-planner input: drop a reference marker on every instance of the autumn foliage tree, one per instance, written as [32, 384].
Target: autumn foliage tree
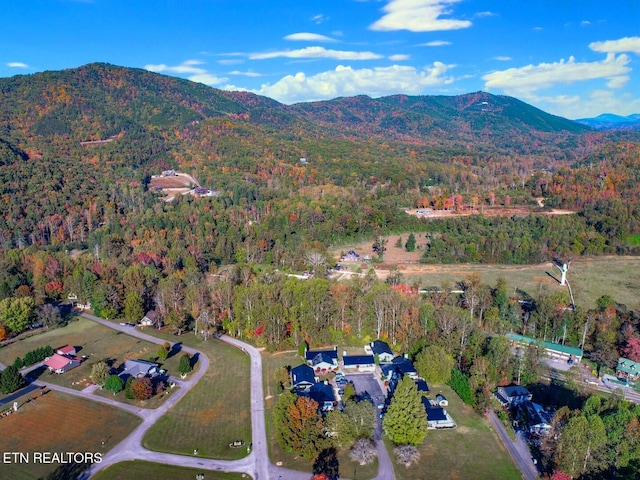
[141, 388]
[631, 350]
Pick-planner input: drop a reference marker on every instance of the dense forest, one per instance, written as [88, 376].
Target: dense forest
[79, 219]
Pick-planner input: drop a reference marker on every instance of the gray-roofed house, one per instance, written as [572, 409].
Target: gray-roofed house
[382, 350]
[151, 319]
[512, 395]
[302, 378]
[139, 368]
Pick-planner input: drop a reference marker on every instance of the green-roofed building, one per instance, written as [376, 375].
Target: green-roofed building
[627, 369]
[554, 350]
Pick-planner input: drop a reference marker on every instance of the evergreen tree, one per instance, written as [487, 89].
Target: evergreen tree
[406, 419]
[133, 307]
[11, 380]
[184, 366]
[410, 246]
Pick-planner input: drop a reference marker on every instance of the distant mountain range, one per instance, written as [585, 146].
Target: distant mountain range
[609, 121]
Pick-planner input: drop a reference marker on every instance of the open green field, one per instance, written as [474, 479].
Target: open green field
[214, 413]
[290, 460]
[138, 469]
[470, 451]
[92, 340]
[57, 422]
[590, 278]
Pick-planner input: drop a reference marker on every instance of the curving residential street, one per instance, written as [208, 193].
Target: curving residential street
[256, 464]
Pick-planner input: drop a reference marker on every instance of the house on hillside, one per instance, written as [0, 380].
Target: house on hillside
[138, 368]
[322, 359]
[512, 395]
[627, 369]
[536, 419]
[302, 378]
[382, 350]
[151, 319]
[360, 363]
[57, 363]
[350, 256]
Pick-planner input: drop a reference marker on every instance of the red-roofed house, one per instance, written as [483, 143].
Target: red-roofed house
[67, 350]
[60, 363]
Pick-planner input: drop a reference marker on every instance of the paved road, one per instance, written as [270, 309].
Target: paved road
[518, 450]
[256, 464]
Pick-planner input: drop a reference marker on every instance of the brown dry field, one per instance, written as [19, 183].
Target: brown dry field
[57, 422]
[170, 182]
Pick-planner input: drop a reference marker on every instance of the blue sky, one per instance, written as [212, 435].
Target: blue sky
[574, 58]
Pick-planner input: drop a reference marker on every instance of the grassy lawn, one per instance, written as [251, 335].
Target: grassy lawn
[348, 468]
[138, 469]
[56, 422]
[470, 451]
[214, 413]
[92, 340]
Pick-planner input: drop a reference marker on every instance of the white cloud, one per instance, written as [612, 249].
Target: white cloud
[523, 81]
[17, 65]
[398, 57]
[198, 74]
[207, 79]
[626, 44]
[347, 81]
[597, 102]
[485, 14]
[248, 73]
[231, 61]
[309, 37]
[316, 52]
[435, 43]
[318, 19]
[188, 66]
[502, 58]
[585, 23]
[418, 16]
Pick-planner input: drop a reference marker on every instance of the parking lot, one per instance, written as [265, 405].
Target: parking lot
[367, 383]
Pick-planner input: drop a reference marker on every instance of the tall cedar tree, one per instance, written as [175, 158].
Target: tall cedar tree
[11, 380]
[406, 419]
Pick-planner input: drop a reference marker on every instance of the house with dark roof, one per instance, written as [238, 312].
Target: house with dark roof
[512, 395]
[538, 421]
[62, 363]
[422, 386]
[139, 368]
[382, 350]
[437, 417]
[303, 378]
[361, 363]
[322, 359]
[322, 392]
[627, 369]
[398, 367]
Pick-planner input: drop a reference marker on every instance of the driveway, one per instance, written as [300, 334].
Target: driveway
[519, 450]
[367, 385]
